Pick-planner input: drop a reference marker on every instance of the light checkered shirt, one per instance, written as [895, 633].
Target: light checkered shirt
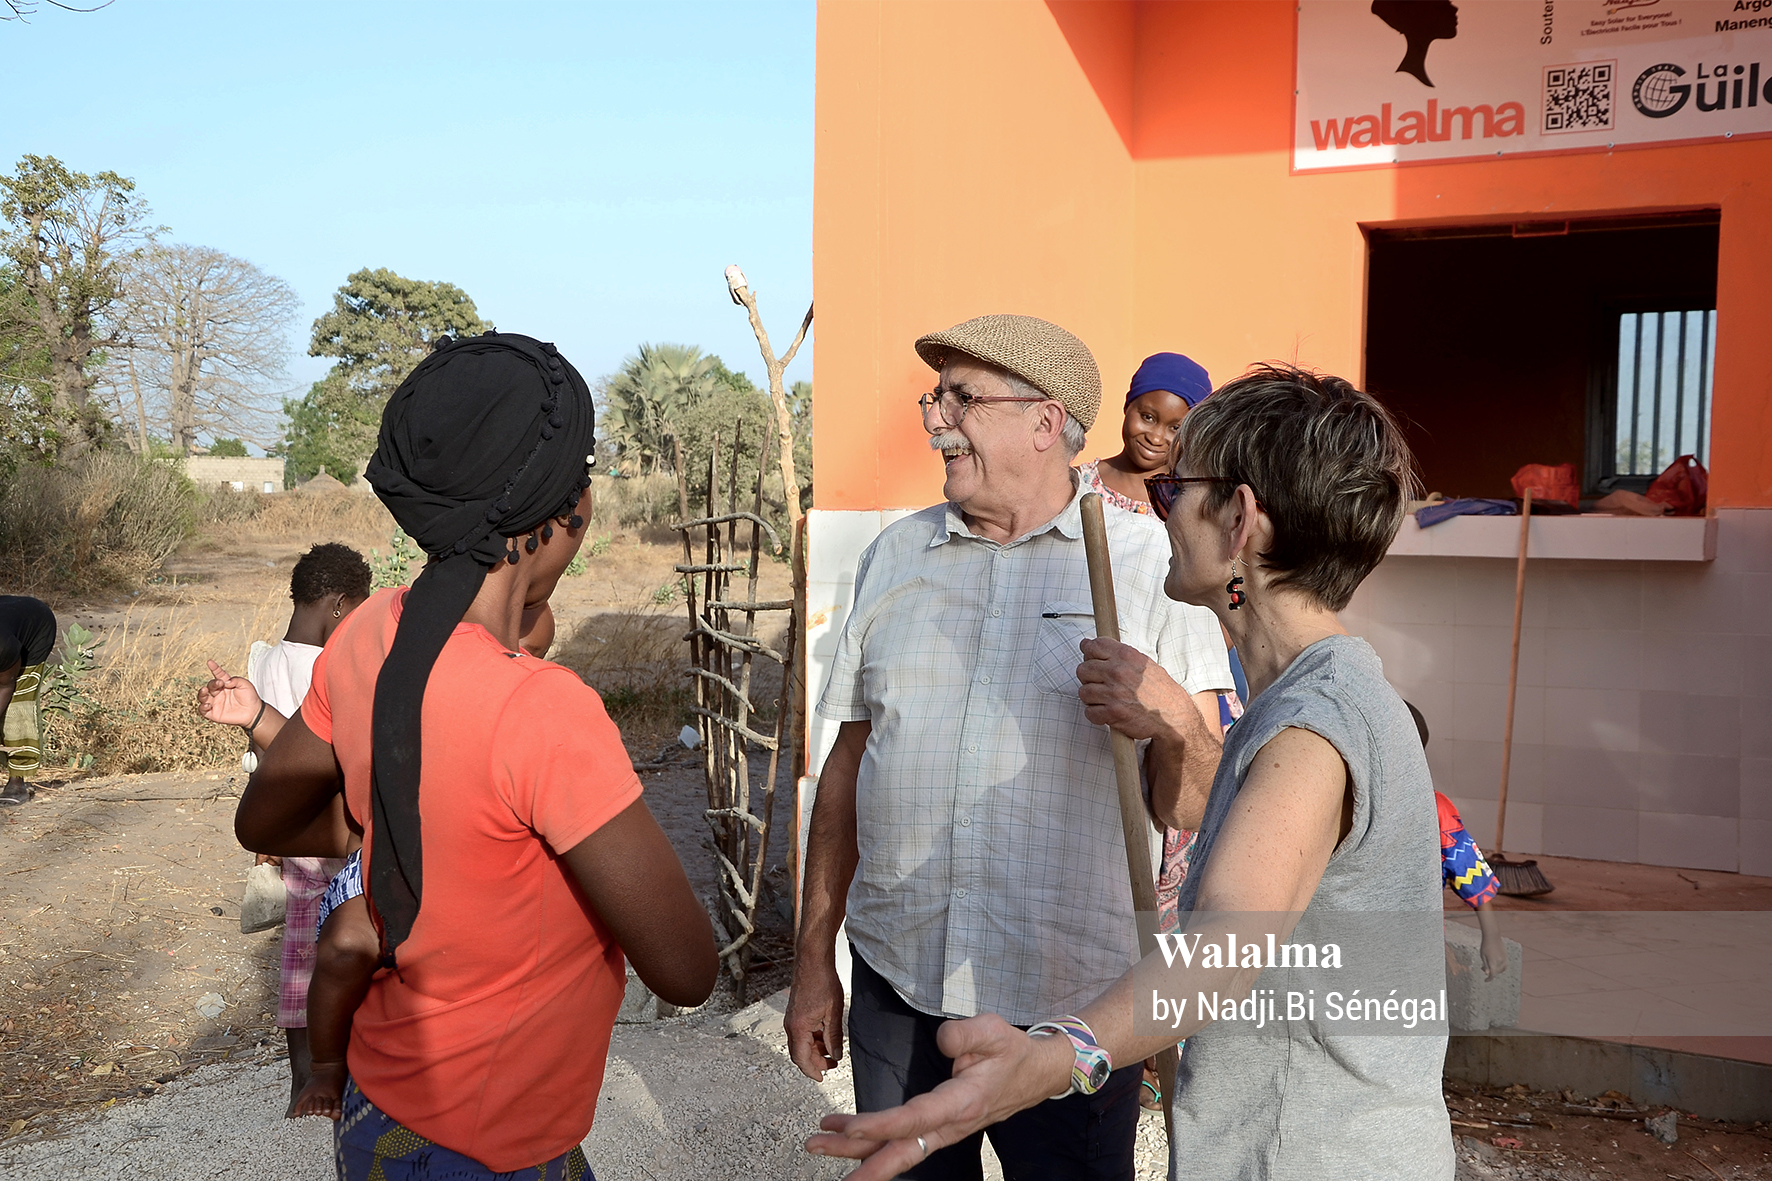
[993, 870]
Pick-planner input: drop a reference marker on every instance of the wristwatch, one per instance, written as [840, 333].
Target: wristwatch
[1093, 1064]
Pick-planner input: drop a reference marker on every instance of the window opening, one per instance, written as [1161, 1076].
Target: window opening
[1505, 344]
[1666, 361]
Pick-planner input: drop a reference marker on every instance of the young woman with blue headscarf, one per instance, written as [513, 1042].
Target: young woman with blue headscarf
[1163, 390]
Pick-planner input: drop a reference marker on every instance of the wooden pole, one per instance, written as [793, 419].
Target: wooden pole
[1513, 671]
[1135, 822]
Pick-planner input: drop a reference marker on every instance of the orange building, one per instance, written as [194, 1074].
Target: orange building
[1148, 175]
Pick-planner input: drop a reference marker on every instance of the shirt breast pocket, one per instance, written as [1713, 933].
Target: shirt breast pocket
[1063, 626]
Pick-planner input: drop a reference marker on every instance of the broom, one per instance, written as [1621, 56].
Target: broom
[1133, 822]
[1518, 879]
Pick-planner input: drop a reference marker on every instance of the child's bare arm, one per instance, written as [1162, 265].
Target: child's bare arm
[632, 876]
[1494, 948]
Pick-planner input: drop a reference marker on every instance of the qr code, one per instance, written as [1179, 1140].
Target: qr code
[1579, 97]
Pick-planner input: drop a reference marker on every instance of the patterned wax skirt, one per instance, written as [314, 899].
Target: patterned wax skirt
[369, 1143]
[22, 728]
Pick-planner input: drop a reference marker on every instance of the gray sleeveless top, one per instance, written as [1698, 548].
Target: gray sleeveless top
[1324, 1108]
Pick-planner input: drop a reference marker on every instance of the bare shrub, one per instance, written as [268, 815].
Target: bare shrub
[224, 506]
[631, 502]
[636, 660]
[137, 710]
[352, 518]
[102, 519]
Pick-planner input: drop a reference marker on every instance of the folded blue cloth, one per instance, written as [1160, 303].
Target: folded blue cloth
[1468, 506]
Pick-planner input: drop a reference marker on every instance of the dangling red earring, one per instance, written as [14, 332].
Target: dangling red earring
[1235, 589]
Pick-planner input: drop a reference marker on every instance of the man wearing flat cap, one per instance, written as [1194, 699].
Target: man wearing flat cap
[967, 821]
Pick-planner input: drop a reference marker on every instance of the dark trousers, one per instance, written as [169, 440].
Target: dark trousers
[893, 1053]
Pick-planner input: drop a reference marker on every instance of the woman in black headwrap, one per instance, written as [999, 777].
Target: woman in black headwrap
[508, 858]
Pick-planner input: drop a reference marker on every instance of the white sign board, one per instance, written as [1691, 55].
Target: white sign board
[1399, 81]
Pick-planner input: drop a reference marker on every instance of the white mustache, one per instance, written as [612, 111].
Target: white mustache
[948, 441]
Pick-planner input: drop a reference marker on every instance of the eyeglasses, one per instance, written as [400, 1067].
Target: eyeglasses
[952, 404]
[1166, 490]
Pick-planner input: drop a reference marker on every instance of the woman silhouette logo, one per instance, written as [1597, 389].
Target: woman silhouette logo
[1421, 22]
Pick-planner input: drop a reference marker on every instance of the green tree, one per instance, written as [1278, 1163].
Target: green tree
[653, 396]
[380, 327]
[328, 427]
[227, 448]
[739, 413]
[30, 429]
[67, 239]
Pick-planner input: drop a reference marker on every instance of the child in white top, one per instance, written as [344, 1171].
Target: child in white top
[328, 583]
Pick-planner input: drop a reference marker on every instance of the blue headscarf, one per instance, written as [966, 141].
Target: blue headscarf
[1172, 372]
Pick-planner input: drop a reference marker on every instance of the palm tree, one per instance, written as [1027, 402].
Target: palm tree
[644, 401]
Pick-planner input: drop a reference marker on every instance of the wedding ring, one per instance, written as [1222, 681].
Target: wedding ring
[924, 1145]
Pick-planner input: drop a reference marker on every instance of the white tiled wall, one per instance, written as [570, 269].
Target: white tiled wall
[1643, 725]
[834, 542]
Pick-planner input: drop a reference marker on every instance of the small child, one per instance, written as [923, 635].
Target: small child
[327, 584]
[1463, 869]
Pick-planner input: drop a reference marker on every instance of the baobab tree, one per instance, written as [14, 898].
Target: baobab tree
[205, 343]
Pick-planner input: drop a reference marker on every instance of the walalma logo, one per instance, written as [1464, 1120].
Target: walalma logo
[1415, 127]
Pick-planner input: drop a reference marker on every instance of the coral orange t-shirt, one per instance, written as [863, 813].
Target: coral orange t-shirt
[491, 1039]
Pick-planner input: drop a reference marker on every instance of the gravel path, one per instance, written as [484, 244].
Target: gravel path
[704, 1095]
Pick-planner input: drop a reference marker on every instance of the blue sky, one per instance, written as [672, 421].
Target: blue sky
[584, 171]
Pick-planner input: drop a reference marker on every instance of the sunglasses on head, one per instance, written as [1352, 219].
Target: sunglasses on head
[1166, 490]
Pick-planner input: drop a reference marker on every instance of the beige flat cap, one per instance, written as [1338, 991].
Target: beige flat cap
[1040, 353]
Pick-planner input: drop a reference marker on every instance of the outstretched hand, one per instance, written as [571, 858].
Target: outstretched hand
[998, 1071]
[228, 700]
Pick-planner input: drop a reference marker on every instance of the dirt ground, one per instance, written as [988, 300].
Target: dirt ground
[122, 964]
[123, 971]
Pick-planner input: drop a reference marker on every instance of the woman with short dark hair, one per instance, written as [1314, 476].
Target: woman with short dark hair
[1288, 489]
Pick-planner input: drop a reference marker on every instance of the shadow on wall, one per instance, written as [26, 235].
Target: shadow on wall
[1194, 79]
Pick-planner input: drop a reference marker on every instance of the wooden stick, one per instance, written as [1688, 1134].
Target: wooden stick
[1135, 822]
[1513, 671]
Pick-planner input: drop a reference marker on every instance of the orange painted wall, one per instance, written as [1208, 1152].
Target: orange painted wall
[1121, 168]
[964, 165]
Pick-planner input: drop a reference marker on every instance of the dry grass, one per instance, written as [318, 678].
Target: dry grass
[138, 707]
[222, 506]
[103, 520]
[643, 503]
[635, 658]
[353, 518]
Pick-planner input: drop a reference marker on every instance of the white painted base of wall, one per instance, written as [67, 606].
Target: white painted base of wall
[1643, 720]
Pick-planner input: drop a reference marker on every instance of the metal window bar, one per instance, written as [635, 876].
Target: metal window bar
[1670, 387]
[1636, 386]
[1702, 435]
[1655, 415]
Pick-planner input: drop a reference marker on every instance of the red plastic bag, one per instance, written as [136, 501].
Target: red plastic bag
[1683, 487]
[1549, 481]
